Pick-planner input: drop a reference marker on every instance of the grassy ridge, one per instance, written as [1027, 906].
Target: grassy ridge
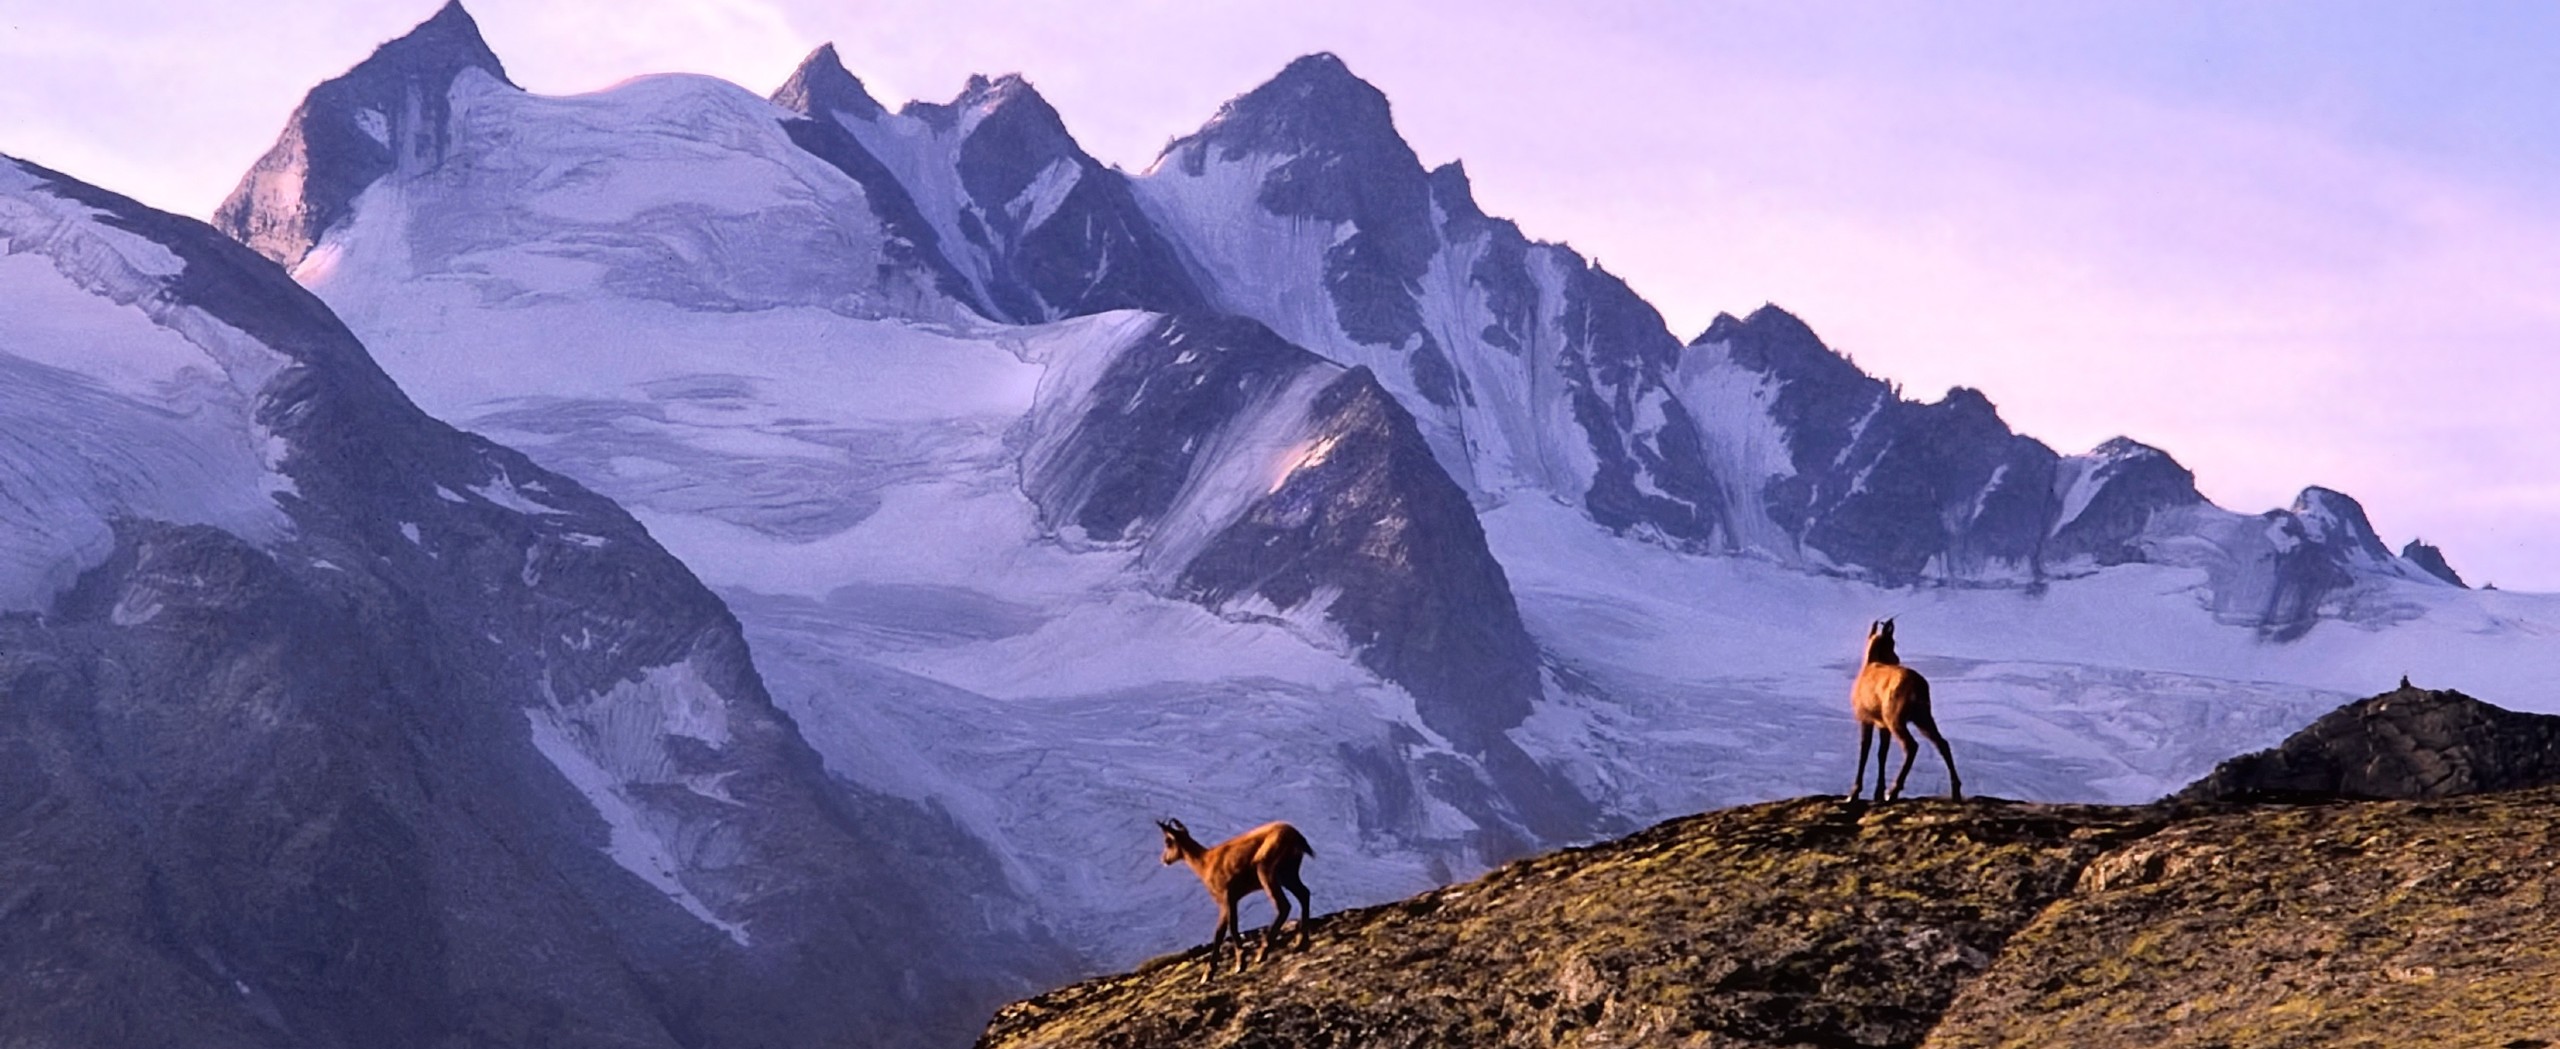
[1985, 923]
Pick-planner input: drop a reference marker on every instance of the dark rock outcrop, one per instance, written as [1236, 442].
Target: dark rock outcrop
[820, 90]
[2410, 743]
[2431, 560]
[386, 113]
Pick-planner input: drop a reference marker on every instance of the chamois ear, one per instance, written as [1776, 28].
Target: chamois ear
[1888, 628]
[1176, 827]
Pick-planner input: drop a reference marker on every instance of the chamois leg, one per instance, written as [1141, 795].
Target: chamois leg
[1910, 754]
[1279, 914]
[1884, 758]
[1306, 907]
[1866, 735]
[1928, 726]
[1226, 928]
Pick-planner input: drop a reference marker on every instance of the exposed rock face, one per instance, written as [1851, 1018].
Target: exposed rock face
[1527, 368]
[2431, 560]
[1935, 924]
[386, 114]
[1263, 481]
[1531, 370]
[2109, 497]
[1903, 490]
[456, 754]
[819, 90]
[2412, 743]
[1032, 227]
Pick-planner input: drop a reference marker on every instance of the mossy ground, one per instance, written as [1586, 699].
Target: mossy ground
[1954, 925]
[2373, 924]
[1811, 922]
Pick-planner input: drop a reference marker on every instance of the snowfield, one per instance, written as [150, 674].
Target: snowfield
[120, 402]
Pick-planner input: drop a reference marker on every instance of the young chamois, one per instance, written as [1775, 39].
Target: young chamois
[1890, 700]
[1264, 858]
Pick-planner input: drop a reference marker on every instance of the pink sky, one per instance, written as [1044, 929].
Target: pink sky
[2291, 243]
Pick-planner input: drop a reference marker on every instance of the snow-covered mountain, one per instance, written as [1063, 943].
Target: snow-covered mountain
[974, 560]
[1278, 481]
[323, 723]
[1537, 373]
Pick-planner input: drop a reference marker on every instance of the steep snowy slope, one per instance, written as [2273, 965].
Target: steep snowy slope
[324, 724]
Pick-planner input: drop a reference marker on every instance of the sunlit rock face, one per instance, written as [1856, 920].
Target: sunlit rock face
[389, 113]
[1264, 482]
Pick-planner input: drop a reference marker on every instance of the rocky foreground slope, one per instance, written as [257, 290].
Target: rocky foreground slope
[1928, 923]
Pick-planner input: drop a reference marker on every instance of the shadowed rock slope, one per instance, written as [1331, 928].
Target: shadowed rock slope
[1932, 923]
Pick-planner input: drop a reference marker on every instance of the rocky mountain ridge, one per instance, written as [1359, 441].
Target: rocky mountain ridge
[1530, 371]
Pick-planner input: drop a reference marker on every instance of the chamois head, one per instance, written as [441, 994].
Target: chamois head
[1175, 837]
[1880, 643]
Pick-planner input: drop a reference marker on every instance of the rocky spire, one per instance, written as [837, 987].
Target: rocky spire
[387, 113]
[822, 86]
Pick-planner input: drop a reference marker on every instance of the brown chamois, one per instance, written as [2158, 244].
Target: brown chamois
[1264, 858]
[1890, 700]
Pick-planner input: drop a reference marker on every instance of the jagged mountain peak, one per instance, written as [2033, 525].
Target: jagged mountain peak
[387, 113]
[448, 42]
[1315, 105]
[2336, 518]
[2125, 449]
[822, 85]
[1767, 322]
[1454, 192]
[983, 97]
[1778, 342]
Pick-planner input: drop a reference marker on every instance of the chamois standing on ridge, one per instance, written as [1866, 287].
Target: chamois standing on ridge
[1264, 858]
[1890, 700]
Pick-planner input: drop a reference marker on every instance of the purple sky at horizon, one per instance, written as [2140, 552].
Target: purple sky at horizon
[2292, 243]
